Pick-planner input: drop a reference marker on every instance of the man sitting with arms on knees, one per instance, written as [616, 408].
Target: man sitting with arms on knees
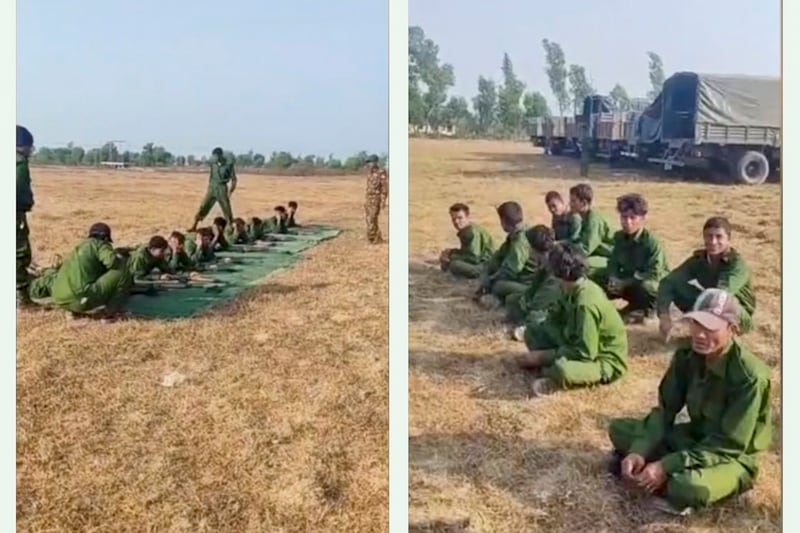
[719, 266]
[476, 248]
[637, 263]
[566, 224]
[583, 340]
[511, 267]
[725, 389]
[595, 238]
[529, 309]
[92, 277]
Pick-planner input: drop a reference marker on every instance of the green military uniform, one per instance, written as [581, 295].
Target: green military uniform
[91, 276]
[477, 247]
[732, 274]
[180, 261]
[512, 267]
[141, 263]
[24, 205]
[638, 261]
[375, 197]
[567, 227]
[275, 224]
[220, 174]
[714, 455]
[584, 338]
[198, 255]
[256, 231]
[41, 287]
[291, 223]
[532, 306]
[235, 236]
[595, 240]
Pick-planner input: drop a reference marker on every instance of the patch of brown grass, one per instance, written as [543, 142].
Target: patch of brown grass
[282, 424]
[484, 457]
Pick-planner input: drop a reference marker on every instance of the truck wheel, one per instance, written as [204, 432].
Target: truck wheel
[752, 168]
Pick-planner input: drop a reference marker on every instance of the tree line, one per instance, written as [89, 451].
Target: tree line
[152, 155]
[501, 109]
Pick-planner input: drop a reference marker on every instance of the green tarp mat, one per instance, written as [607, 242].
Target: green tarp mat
[250, 266]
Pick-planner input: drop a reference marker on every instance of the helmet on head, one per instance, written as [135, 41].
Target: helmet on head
[100, 230]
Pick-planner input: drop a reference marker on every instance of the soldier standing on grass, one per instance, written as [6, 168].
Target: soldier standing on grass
[24, 204]
[221, 174]
[377, 196]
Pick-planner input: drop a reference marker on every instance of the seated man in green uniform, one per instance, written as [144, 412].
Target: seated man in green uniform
[595, 238]
[511, 267]
[237, 234]
[725, 389]
[637, 263]
[291, 222]
[566, 224]
[476, 246]
[92, 277]
[530, 308]
[583, 341]
[718, 265]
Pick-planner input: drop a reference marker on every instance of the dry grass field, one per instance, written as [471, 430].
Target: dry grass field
[483, 457]
[282, 425]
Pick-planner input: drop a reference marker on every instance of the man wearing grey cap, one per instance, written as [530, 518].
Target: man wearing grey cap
[725, 389]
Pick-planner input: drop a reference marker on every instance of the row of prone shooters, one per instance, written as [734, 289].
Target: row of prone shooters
[557, 284]
[95, 279]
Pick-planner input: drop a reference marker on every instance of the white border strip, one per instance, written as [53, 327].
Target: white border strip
[398, 266]
[790, 364]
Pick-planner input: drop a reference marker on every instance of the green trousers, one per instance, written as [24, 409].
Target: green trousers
[516, 310]
[502, 289]
[567, 373]
[109, 291]
[687, 295]
[24, 254]
[41, 287]
[462, 269]
[216, 194]
[694, 488]
[640, 295]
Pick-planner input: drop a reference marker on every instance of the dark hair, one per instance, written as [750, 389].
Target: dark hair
[510, 212]
[238, 221]
[280, 209]
[221, 222]
[178, 236]
[541, 238]
[255, 221]
[567, 262]
[217, 151]
[206, 232]
[718, 223]
[459, 208]
[633, 202]
[293, 204]
[583, 192]
[100, 231]
[157, 242]
[552, 195]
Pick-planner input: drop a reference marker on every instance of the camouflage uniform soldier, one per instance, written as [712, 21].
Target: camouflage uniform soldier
[24, 204]
[377, 195]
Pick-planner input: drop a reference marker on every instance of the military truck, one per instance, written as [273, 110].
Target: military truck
[560, 132]
[730, 124]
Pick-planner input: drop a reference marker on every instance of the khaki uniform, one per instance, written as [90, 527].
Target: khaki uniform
[376, 197]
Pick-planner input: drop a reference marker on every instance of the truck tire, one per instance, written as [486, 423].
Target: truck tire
[752, 168]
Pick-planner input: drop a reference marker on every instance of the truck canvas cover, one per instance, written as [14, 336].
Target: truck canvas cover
[692, 99]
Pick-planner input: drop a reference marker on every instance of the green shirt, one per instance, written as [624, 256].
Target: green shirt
[513, 261]
[141, 263]
[24, 191]
[275, 225]
[477, 245]
[595, 236]
[567, 227]
[290, 223]
[238, 237]
[732, 274]
[639, 256]
[82, 267]
[179, 262]
[221, 171]
[589, 327]
[255, 231]
[729, 409]
[197, 254]
[542, 296]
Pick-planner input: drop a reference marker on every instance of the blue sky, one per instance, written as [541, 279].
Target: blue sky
[301, 75]
[610, 38]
